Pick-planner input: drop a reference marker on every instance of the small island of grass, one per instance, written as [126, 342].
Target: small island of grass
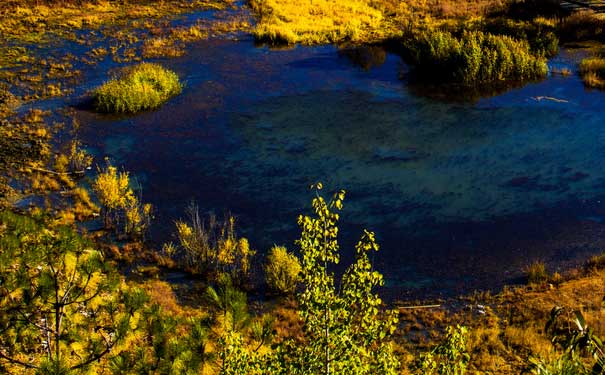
[142, 87]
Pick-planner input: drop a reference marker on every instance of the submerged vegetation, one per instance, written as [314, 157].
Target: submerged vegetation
[144, 86]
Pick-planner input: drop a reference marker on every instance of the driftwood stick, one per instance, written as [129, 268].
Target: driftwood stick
[418, 307]
[55, 172]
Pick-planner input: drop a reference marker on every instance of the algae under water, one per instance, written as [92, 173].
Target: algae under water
[462, 194]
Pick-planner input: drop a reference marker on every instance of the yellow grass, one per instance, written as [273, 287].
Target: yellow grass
[320, 21]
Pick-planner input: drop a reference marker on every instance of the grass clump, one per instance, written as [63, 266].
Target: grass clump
[319, 21]
[536, 273]
[144, 86]
[592, 71]
[474, 58]
[596, 262]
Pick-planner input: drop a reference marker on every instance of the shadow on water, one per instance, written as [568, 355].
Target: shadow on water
[462, 193]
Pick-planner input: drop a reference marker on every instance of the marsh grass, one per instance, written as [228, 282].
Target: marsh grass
[539, 33]
[161, 47]
[592, 71]
[144, 86]
[474, 58]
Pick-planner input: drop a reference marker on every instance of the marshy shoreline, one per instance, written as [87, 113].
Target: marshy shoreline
[55, 54]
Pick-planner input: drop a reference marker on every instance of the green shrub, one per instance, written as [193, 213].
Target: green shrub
[282, 270]
[592, 71]
[474, 58]
[144, 86]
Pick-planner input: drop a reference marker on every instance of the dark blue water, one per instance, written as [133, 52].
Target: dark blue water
[462, 194]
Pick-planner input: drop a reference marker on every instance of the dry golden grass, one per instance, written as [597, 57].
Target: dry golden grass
[320, 21]
[507, 328]
[357, 21]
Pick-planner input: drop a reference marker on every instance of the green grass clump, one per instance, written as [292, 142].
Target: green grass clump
[592, 71]
[473, 58]
[144, 86]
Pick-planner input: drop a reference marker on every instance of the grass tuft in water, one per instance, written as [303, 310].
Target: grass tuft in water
[474, 58]
[592, 71]
[144, 86]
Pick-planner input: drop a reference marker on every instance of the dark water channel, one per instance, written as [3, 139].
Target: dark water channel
[462, 194]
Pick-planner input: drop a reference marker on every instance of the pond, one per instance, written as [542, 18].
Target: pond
[462, 194]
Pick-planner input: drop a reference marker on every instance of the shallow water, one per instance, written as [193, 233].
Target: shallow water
[462, 194]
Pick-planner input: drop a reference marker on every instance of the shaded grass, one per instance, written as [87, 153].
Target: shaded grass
[582, 26]
[144, 86]
[592, 71]
[539, 33]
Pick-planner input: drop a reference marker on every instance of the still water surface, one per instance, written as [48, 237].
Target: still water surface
[461, 193]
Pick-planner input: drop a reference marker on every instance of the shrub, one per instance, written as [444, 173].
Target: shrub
[474, 58]
[592, 71]
[144, 86]
[119, 202]
[282, 270]
[210, 247]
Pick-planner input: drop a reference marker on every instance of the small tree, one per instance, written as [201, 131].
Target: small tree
[239, 336]
[344, 330]
[282, 270]
[61, 307]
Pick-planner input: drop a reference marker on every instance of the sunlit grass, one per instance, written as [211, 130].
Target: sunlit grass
[319, 21]
[145, 86]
